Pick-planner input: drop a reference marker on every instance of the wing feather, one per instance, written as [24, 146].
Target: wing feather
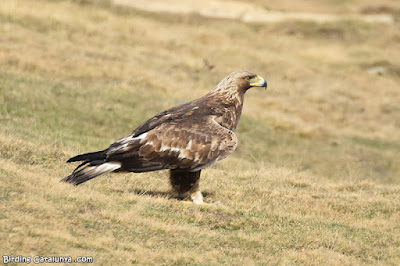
[174, 146]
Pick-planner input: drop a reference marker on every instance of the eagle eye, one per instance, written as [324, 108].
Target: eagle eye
[249, 78]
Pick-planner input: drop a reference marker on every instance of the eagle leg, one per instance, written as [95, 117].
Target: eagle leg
[186, 184]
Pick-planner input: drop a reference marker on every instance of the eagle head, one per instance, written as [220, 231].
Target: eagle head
[241, 81]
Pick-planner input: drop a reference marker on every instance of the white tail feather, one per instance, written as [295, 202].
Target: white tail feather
[91, 171]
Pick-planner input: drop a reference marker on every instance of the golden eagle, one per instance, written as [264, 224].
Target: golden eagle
[183, 139]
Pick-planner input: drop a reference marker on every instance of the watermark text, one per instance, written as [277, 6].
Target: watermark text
[46, 259]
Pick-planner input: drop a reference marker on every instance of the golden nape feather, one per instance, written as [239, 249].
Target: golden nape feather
[183, 139]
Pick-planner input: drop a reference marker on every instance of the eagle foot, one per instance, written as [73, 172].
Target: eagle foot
[195, 197]
[198, 199]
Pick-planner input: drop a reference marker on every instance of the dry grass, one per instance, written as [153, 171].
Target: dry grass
[315, 179]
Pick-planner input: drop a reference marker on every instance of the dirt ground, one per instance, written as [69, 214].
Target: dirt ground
[246, 12]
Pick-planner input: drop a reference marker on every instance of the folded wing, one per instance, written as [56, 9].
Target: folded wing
[174, 145]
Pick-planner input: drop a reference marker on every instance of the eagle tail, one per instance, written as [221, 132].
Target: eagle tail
[91, 156]
[94, 164]
[88, 170]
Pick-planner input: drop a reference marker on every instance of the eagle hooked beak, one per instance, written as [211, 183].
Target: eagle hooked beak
[258, 82]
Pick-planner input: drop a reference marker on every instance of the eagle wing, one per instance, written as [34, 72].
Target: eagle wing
[189, 143]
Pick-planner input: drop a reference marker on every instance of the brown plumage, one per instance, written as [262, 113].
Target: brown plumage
[184, 139]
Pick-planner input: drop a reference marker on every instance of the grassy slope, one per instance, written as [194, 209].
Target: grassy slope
[315, 178]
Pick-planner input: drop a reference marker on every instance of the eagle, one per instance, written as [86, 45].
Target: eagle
[183, 139]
